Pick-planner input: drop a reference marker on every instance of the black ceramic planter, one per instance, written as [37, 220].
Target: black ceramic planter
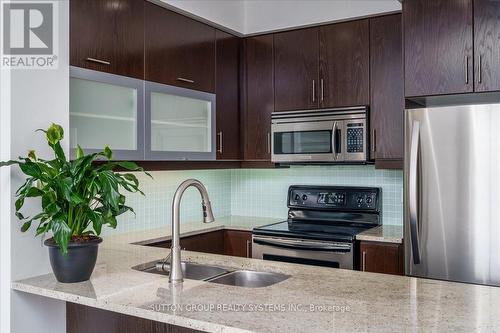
[77, 265]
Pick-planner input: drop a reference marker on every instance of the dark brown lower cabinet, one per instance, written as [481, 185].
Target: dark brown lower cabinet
[228, 242]
[85, 319]
[380, 257]
[238, 243]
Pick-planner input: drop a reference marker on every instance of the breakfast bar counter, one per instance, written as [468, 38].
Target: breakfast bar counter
[312, 299]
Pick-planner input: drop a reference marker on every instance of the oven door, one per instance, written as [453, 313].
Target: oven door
[301, 251]
[318, 141]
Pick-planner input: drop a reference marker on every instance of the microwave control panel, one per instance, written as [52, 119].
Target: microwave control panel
[355, 137]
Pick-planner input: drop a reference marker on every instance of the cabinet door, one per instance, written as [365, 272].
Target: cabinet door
[228, 113]
[207, 242]
[381, 258]
[296, 69]
[180, 123]
[106, 110]
[259, 97]
[486, 45]
[438, 47]
[386, 85]
[238, 243]
[108, 36]
[344, 64]
[179, 51]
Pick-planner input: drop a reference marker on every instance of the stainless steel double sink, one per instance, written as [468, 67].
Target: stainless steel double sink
[220, 275]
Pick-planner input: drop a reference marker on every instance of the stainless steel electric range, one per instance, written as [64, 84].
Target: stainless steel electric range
[322, 224]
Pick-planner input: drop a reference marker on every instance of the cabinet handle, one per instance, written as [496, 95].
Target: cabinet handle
[479, 74]
[185, 80]
[220, 142]
[374, 140]
[102, 62]
[248, 248]
[363, 262]
[314, 91]
[268, 143]
[322, 88]
[466, 69]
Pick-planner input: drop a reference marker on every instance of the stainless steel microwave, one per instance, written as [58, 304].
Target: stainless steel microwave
[321, 136]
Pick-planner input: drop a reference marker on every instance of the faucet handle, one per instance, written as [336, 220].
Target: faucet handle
[163, 265]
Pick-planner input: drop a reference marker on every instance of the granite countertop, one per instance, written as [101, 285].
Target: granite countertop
[313, 299]
[383, 233]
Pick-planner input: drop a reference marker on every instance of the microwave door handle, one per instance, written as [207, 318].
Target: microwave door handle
[337, 134]
[335, 140]
[413, 191]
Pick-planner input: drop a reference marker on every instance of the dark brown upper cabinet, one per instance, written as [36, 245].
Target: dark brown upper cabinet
[486, 45]
[386, 88]
[179, 51]
[259, 97]
[296, 69]
[108, 36]
[227, 90]
[344, 64]
[438, 47]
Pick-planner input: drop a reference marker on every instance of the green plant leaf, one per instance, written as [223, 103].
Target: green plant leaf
[34, 192]
[43, 228]
[54, 134]
[62, 234]
[108, 153]
[79, 152]
[48, 198]
[26, 226]
[19, 203]
[19, 215]
[7, 163]
[97, 222]
[61, 157]
[110, 188]
[31, 169]
[65, 187]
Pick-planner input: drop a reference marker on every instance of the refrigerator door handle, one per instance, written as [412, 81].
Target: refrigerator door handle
[413, 189]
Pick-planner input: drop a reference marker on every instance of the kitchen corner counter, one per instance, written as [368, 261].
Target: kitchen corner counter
[241, 223]
[383, 233]
[313, 299]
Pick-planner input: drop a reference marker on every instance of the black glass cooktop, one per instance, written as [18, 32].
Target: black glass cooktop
[320, 231]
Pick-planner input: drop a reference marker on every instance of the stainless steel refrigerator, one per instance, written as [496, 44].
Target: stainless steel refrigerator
[452, 193]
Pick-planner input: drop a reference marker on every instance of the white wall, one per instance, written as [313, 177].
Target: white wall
[38, 98]
[264, 15]
[5, 202]
[226, 13]
[257, 16]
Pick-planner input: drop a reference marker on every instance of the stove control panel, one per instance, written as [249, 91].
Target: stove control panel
[335, 197]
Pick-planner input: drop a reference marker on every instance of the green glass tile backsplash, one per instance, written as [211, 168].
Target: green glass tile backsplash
[251, 192]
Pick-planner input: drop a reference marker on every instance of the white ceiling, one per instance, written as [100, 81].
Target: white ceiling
[247, 17]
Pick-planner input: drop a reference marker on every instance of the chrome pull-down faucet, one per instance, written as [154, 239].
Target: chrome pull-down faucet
[175, 275]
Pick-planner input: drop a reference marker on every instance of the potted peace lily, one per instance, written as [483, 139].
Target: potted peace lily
[77, 197]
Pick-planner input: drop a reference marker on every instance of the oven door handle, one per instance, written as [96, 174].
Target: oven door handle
[311, 246]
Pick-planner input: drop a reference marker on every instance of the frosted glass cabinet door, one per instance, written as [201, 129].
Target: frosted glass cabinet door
[180, 123]
[106, 110]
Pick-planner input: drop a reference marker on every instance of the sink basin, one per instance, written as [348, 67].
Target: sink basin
[190, 270]
[250, 279]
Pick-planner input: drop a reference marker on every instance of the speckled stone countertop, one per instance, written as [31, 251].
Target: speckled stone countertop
[383, 233]
[313, 299]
